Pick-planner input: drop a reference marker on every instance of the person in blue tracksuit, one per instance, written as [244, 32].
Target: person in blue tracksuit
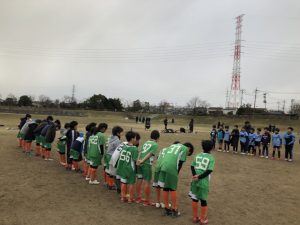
[277, 143]
[289, 141]
[227, 135]
[220, 136]
[243, 140]
[258, 142]
[213, 136]
[251, 146]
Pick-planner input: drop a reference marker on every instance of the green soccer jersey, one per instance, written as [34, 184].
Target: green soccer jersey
[127, 158]
[201, 163]
[148, 147]
[95, 141]
[171, 156]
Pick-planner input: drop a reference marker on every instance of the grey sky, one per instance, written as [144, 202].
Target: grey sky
[151, 50]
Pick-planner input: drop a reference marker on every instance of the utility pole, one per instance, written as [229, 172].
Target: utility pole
[278, 103]
[292, 105]
[265, 100]
[73, 93]
[255, 97]
[242, 96]
[283, 107]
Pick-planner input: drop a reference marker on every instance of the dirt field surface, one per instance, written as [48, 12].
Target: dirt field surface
[244, 190]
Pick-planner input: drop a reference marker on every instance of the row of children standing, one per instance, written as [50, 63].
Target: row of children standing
[253, 141]
[129, 170]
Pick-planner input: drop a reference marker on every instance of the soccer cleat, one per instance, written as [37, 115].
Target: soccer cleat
[167, 212]
[94, 182]
[139, 201]
[196, 220]
[50, 159]
[46, 159]
[87, 178]
[261, 156]
[162, 205]
[157, 205]
[175, 213]
[286, 159]
[148, 203]
[203, 222]
[290, 160]
[267, 157]
[224, 151]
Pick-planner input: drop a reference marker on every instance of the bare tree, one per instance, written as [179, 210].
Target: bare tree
[164, 106]
[197, 103]
[45, 101]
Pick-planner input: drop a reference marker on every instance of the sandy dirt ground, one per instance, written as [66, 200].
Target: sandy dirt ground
[244, 190]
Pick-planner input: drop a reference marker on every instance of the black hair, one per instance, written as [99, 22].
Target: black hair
[67, 125]
[73, 124]
[266, 128]
[258, 129]
[27, 116]
[38, 121]
[190, 146]
[236, 126]
[94, 130]
[89, 127]
[290, 128]
[117, 130]
[155, 135]
[50, 118]
[138, 136]
[226, 127]
[58, 124]
[207, 145]
[102, 126]
[214, 126]
[252, 129]
[277, 129]
[176, 142]
[130, 135]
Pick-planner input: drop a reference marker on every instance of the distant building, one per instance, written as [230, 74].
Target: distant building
[229, 111]
[215, 111]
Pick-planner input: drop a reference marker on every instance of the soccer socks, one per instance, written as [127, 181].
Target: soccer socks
[157, 194]
[139, 188]
[147, 192]
[85, 169]
[123, 191]
[104, 176]
[93, 174]
[195, 210]
[131, 193]
[203, 215]
[166, 199]
[174, 199]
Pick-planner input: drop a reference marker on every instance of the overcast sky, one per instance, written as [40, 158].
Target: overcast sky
[148, 49]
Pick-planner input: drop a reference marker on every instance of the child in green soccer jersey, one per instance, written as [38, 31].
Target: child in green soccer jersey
[144, 169]
[95, 151]
[61, 148]
[202, 166]
[126, 168]
[172, 159]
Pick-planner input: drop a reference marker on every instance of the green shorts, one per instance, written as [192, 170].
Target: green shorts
[47, 146]
[95, 161]
[19, 135]
[38, 140]
[107, 158]
[42, 141]
[144, 172]
[74, 154]
[128, 178]
[198, 192]
[167, 180]
[155, 179]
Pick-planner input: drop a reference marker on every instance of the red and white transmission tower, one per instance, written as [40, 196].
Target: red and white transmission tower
[236, 71]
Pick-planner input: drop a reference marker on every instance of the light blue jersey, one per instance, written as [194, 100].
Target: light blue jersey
[276, 140]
